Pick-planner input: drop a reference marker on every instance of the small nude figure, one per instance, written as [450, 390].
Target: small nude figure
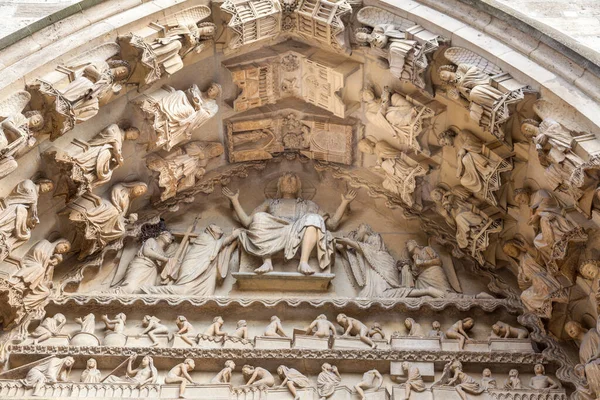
[116, 325]
[436, 330]
[459, 331]
[541, 381]
[185, 330]
[181, 374]
[413, 328]
[513, 382]
[376, 332]
[153, 328]
[224, 375]
[371, 380]
[49, 327]
[414, 380]
[353, 327]
[242, 330]
[487, 380]
[323, 328]
[214, 329]
[274, 329]
[503, 330]
[257, 376]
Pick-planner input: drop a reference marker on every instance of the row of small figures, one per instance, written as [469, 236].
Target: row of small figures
[54, 369]
[320, 327]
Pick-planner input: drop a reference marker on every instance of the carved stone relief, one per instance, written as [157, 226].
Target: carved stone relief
[252, 21]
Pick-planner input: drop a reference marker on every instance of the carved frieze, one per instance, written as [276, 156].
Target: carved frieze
[251, 21]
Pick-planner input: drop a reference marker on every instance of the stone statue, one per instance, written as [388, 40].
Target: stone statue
[175, 114]
[214, 330]
[513, 382]
[539, 288]
[400, 116]
[459, 331]
[179, 170]
[275, 329]
[288, 223]
[153, 327]
[353, 327]
[34, 277]
[414, 380]
[116, 325]
[503, 330]
[540, 380]
[401, 173]
[371, 380]
[487, 380]
[453, 375]
[91, 373]
[322, 327]
[47, 371]
[185, 330]
[376, 332]
[293, 379]
[141, 376]
[205, 263]
[145, 267]
[436, 330]
[553, 230]
[17, 130]
[181, 374]
[589, 352]
[99, 221]
[413, 328]
[50, 327]
[87, 323]
[328, 380]
[257, 376]
[19, 214]
[85, 165]
[242, 330]
[224, 376]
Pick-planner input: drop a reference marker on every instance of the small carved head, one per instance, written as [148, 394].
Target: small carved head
[589, 270]
[574, 329]
[378, 40]
[289, 184]
[121, 316]
[322, 316]
[181, 319]
[326, 367]
[35, 120]
[436, 325]
[408, 323]
[91, 363]
[411, 246]
[120, 70]
[45, 185]
[522, 196]
[242, 323]
[342, 319]
[190, 364]
[362, 36]
[447, 137]
[530, 128]
[539, 369]
[229, 364]
[69, 361]
[166, 236]
[512, 248]
[63, 246]
[131, 133]
[376, 325]
[247, 371]
[437, 194]
[447, 74]
[366, 146]
[60, 318]
[513, 373]
[206, 30]
[146, 361]
[218, 320]
[468, 323]
[139, 190]
[487, 373]
[405, 366]
[275, 318]
[367, 95]
[496, 329]
[214, 91]
[281, 370]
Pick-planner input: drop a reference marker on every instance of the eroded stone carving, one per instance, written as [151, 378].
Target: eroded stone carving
[355, 328]
[323, 21]
[251, 21]
[328, 380]
[172, 115]
[181, 374]
[49, 370]
[371, 381]
[50, 327]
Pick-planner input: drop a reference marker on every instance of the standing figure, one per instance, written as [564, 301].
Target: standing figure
[257, 376]
[181, 168]
[91, 373]
[48, 371]
[141, 376]
[144, 269]
[116, 325]
[376, 332]
[329, 378]
[459, 331]
[353, 327]
[413, 328]
[275, 329]
[88, 323]
[540, 381]
[371, 380]
[414, 380]
[288, 223]
[436, 330]
[513, 382]
[152, 328]
[185, 330]
[293, 379]
[453, 375]
[98, 221]
[50, 327]
[322, 327]
[589, 354]
[181, 374]
[214, 330]
[19, 214]
[224, 376]
[487, 380]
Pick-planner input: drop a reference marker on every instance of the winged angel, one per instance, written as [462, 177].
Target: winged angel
[16, 130]
[469, 82]
[387, 37]
[183, 33]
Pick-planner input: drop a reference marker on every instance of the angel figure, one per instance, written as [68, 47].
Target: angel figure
[99, 221]
[47, 371]
[469, 82]
[174, 114]
[180, 169]
[17, 130]
[401, 172]
[400, 116]
[288, 223]
[293, 379]
[540, 288]
[19, 214]
[141, 376]
[453, 375]
[85, 165]
[183, 33]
